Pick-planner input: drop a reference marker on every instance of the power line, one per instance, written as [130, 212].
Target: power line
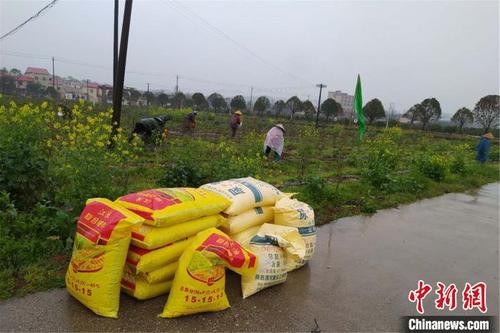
[238, 87]
[50, 5]
[74, 62]
[232, 40]
[187, 13]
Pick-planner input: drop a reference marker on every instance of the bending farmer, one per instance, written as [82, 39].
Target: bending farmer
[190, 122]
[235, 122]
[275, 141]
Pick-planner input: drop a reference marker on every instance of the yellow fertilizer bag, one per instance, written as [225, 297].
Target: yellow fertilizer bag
[245, 193]
[145, 261]
[167, 206]
[200, 279]
[99, 253]
[245, 236]
[273, 244]
[162, 274]
[252, 217]
[291, 212]
[149, 237]
[136, 286]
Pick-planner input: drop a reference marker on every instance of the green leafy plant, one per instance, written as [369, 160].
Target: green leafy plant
[317, 190]
[382, 156]
[432, 166]
[183, 174]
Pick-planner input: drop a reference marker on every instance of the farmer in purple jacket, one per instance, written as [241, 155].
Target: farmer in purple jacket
[275, 141]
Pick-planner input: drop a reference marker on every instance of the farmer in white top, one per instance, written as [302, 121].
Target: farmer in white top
[275, 141]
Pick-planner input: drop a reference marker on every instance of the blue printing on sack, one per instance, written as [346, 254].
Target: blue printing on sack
[307, 231]
[256, 193]
[260, 240]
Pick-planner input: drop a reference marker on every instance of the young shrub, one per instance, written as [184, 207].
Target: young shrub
[432, 166]
[459, 160]
[183, 174]
[23, 156]
[382, 156]
[317, 191]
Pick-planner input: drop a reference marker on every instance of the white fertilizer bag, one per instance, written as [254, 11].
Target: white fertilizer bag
[273, 245]
[245, 193]
[293, 213]
[250, 218]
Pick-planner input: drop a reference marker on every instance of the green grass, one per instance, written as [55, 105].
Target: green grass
[327, 167]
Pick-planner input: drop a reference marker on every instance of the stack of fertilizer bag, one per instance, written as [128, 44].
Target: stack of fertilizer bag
[172, 216]
[152, 242]
[281, 247]
[135, 242]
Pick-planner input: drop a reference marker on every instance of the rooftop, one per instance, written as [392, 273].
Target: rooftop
[36, 70]
[90, 85]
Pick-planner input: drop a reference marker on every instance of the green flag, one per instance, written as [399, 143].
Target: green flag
[358, 107]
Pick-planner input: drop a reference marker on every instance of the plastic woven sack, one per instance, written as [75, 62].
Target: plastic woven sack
[99, 252]
[162, 274]
[250, 218]
[149, 237]
[136, 286]
[168, 206]
[199, 282]
[294, 213]
[245, 193]
[245, 236]
[273, 244]
[146, 261]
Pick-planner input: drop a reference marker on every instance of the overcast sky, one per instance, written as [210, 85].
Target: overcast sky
[405, 51]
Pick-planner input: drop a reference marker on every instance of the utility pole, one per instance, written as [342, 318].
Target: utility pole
[88, 90]
[251, 97]
[177, 84]
[147, 97]
[320, 86]
[120, 69]
[53, 75]
[115, 43]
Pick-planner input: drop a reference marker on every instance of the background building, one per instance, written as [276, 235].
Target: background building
[346, 100]
[40, 76]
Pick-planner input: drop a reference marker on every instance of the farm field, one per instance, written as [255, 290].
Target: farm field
[49, 166]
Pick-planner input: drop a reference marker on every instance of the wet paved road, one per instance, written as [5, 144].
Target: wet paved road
[358, 281]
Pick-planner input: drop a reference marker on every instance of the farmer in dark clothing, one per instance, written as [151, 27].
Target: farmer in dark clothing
[484, 147]
[235, 122]
[146, 127]
[190, 122]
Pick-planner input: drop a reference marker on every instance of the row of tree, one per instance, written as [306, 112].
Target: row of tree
[330, 108]
[485, 113]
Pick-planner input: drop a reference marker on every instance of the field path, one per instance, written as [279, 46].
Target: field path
[359, 279]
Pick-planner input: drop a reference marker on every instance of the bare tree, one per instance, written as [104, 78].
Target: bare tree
[486, 112]
[461, 117]
[294, 104]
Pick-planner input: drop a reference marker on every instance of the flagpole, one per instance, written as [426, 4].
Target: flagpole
[358, 107]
